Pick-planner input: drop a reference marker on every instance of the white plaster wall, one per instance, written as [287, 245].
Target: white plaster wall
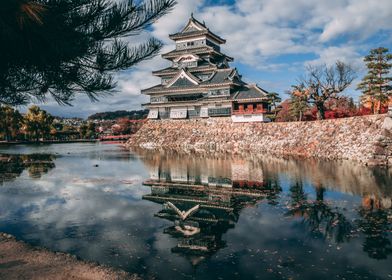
[247, 118]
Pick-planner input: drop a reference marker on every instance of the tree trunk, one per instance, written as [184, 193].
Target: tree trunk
[373, 107]
[275, 112]
[320, 111]
[320, 193]
[379, 106]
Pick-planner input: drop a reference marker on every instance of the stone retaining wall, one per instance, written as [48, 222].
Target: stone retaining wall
[363, 139]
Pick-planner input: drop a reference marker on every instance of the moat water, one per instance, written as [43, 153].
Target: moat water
[253, 218]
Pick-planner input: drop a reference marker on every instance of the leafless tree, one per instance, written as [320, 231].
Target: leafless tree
[324, 82]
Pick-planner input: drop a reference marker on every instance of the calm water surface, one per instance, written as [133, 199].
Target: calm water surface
[263, 218]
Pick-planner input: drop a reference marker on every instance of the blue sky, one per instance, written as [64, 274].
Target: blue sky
[271, 41]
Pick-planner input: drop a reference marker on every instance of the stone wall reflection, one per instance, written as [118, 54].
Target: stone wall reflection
[234, 183]
[341, 176]
[373, 185]
[199, 170]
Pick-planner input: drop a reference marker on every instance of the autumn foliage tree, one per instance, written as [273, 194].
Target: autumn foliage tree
[10, 122]
[88, 131]
[37, 123]
[341, 107]
[298, 101]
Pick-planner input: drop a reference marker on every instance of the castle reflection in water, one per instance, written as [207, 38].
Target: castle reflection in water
[203, 198]
[216, 189]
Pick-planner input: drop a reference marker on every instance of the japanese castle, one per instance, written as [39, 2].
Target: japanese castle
[200, 82]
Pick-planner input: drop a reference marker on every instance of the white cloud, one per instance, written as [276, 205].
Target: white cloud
[347, 54]
[259, 33]
[259, 29]
[363, 17]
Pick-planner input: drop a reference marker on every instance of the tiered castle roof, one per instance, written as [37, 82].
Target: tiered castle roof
[199, 66]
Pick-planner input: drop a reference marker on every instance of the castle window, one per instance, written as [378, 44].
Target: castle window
[159, 99]
[219, 92]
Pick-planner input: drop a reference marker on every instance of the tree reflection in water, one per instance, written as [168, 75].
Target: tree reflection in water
[375, 225]
[236, 198]
[329, 223]
[12, 166]
[273, 189]
[320, 218]
[214, 182]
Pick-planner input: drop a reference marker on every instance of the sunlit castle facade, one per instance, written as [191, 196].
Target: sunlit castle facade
[200, 82]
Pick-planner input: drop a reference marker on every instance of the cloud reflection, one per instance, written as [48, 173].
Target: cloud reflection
[302, 214]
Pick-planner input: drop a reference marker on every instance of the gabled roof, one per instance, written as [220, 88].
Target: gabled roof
[195, 28]
[193, 25]
[182, 82]
[183, 79]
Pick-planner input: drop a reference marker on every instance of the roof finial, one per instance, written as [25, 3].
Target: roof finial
[192, 15]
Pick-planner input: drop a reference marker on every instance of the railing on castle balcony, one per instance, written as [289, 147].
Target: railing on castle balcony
[249, 112]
